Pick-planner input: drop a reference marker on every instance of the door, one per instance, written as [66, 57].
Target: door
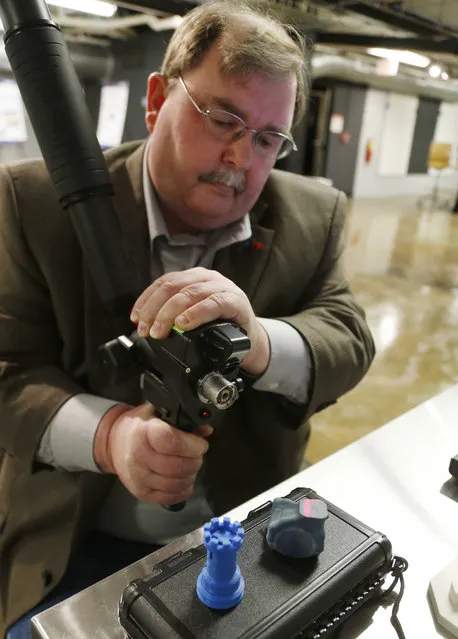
[344, 134]
[317, 131]
[425, 127]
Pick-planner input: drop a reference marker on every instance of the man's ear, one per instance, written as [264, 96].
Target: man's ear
[155, 97]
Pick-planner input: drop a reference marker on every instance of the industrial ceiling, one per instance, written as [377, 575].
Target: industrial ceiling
[444, 12]
[344, 27]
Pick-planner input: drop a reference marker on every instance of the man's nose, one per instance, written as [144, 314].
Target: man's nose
[240, 154]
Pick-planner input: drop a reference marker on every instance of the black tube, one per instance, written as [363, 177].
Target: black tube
[61, 121]
[14, 14]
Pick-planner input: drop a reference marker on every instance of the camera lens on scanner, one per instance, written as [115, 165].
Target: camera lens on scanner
[215, 389]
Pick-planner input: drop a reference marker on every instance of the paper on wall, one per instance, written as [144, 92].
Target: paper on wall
[12, 117]
[112, 113]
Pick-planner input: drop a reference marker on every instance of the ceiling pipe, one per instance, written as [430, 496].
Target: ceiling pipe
[437, 44]
[107, 25]
[359, 72]
[396, 17]
[179, 7]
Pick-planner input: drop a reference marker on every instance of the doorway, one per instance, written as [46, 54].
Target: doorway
[318, 114]
[347, 111]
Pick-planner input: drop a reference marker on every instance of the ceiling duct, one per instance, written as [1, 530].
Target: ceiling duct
[177, 7]
[393, 14]
[108, 26]
[359, 72]
[293, 11]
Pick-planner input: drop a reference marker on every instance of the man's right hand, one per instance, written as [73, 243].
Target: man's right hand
[155, 461]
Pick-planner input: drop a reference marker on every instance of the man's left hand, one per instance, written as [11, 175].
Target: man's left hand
[194, 297]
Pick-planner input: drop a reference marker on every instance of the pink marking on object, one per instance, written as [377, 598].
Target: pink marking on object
[307, 507]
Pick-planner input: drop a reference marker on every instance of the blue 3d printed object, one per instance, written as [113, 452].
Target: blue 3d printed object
[220, 585]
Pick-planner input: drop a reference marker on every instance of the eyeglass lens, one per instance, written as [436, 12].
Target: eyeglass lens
[228, 127]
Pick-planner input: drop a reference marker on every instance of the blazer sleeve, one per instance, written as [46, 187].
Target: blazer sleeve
[32, 384]
[333, 324]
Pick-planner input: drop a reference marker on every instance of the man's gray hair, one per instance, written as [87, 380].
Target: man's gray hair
[249, 43]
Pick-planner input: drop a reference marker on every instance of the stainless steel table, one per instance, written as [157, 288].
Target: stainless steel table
[395, 480]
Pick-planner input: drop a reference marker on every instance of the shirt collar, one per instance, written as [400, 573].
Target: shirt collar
[238, 231]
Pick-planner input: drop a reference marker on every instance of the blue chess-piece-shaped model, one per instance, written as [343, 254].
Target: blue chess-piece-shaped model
[220, 585]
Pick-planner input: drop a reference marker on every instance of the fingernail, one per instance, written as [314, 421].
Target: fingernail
[156, 329]
[134, 316]
[142, 329]
[206, 430]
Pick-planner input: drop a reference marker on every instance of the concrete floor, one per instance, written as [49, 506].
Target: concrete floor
[402, 265]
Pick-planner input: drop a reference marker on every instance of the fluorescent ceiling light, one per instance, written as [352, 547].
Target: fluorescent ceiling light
[406, 57]
[95, 7]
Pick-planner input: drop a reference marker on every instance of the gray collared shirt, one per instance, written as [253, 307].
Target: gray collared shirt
[69, 439]
[185, 251]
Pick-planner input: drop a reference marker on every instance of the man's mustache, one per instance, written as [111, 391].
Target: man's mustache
[229, 178]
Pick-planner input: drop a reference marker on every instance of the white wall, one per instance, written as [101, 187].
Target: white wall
[400, 115]
[392, 140]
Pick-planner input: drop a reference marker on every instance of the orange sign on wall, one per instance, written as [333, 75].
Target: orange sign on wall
[369, 151]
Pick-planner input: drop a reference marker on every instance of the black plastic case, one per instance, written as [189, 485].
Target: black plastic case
[300, 598]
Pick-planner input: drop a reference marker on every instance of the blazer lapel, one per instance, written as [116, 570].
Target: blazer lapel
[244, 262]
[131, 209]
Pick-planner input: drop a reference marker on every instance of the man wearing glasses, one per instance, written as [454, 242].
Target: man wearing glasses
[216, 232]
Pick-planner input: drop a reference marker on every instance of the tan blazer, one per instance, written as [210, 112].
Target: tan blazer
[51, 321]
